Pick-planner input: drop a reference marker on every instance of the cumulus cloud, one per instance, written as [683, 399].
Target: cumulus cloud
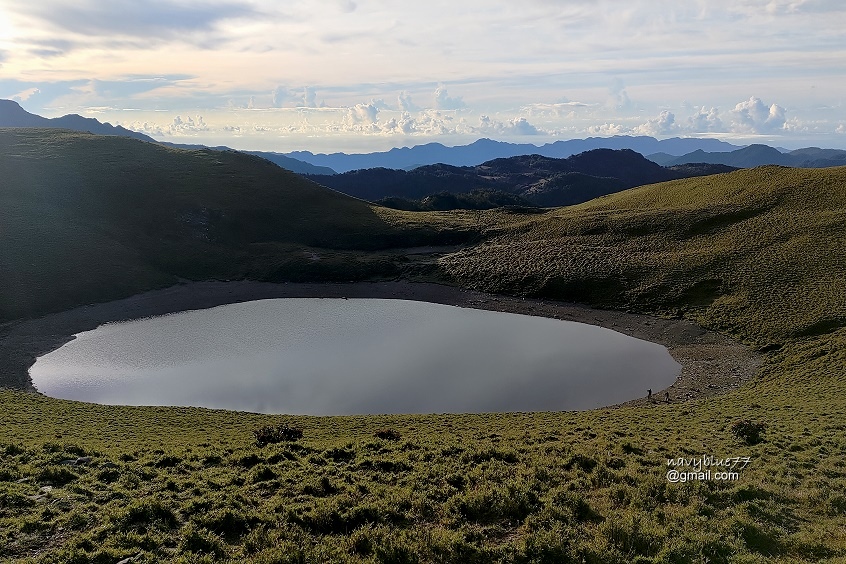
[309, 97]
[189, 125]
[607, 129]
[841, 128]
[618, 97]
[705, 119]
[514, 126]
[443, 101]
[754, 116]
[381, 104]
[405, 104]
[664, 124]
[279, 96]
[363, 113]
[178, 127]
[305, 97]
[405, 125]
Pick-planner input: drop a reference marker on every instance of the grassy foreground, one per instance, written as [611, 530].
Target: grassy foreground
[756, 254]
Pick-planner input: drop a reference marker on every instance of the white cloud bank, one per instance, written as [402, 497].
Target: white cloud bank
[754, 116]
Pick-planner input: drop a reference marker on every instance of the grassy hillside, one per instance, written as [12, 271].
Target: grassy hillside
[757, 254]
[90, 218]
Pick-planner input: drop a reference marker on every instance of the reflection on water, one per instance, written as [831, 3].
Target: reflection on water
[334, 356]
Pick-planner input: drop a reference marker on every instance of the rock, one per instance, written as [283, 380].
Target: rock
[129, 560]
[76, 461]
[46, 489]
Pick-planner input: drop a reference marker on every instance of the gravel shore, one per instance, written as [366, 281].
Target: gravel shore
[711, 363]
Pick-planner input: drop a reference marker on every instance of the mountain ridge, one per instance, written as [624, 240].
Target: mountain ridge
[13, 115]
[540, 180]
[758, 155]
[485, 149]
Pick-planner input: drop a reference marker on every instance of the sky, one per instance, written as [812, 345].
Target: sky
[367, 75]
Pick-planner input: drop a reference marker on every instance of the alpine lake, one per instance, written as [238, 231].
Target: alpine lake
[332, 356]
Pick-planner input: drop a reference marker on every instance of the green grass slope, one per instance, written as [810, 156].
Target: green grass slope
[90, 218]
[755, 253]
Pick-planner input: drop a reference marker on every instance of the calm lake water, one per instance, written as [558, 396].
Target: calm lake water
[334, 356]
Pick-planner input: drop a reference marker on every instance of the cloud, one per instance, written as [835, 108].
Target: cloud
[304, 97]
[753, 116]
[514, 126]
[178, 127]
[444, 102]
[309, 97]
[607, 129]
[619, 98]
[279, 96]
[151, 19]
[129, 86]
[188, 125]
[26, 94]
[841, 128]
[405, 125]
[363, 113]
[381, 104]
[558, 109]
[705, 119]
[664, 124]
[405, 104]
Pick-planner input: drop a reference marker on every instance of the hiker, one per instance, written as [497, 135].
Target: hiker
[649, 394]
[667, 397]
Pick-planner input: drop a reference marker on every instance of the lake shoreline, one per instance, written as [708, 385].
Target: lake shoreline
[711, 363]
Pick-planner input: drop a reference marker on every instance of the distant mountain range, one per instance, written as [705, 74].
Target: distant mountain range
[666, 152]
[485, 150]
[539, 180]
[13, 115]
[758, 155]
[278, 159]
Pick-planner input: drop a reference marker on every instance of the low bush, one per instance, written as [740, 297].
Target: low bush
[277, 434]
[749, 431]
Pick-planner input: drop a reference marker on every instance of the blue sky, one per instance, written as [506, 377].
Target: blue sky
[361, 75]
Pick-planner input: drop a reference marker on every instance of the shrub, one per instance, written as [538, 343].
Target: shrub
[388, 434]
[749, 431]
[271, 435]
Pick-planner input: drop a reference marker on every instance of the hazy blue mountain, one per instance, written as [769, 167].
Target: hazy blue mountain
[292, 164]
[814, 157]
[540, 180]
[13, 115]
[759, 155]
[662, 159]
[483, 150]
[278, 159]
